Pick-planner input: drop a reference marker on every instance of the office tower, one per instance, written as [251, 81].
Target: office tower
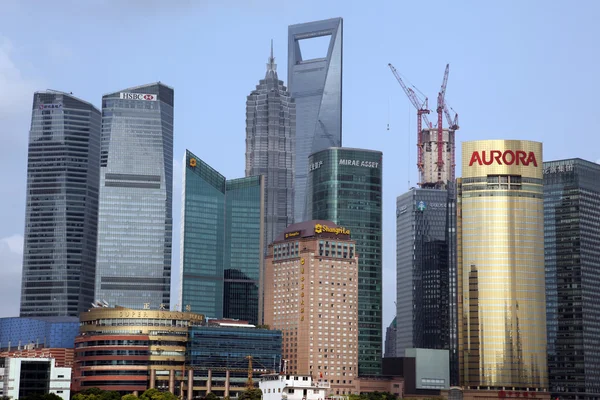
[61, 211]
[572, 255]
[426, 272]
[316, 86]
[270, 136]
[135, 220]
[311, 295]
[222, 233]
[500, 250]
[390, 340]
[344, 186]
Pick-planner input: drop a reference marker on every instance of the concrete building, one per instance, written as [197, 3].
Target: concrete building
[270, 148]
[61, 210]
[222, 236]
[21, 377]
[572, 258]
[431, 176]
[426, 272]
[345, 186]
[311, 295]
[135, 221]
[315, 84]
[140, 349]
[17, 333]
[500, 248]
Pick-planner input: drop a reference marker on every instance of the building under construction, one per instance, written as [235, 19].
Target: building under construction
[432, 176]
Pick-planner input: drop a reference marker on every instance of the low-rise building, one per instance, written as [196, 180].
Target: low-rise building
[17, 333]
[292, 387]
[25, 376]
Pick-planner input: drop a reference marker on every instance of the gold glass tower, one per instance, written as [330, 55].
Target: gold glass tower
[500, 240]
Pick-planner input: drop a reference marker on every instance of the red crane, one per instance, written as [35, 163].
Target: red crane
[452, 128]
[440, 131]
[422, 111]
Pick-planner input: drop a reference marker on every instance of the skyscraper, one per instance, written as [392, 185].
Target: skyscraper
[572, 255]
[426, 272]
[61, 210]
[270, 136]
[311, 295]
[222, 234]
[136, 184]
[500, 257]
[316, 86]
[344, 186]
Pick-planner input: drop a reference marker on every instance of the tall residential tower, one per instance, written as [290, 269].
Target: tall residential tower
[136, 184]
[500, 257]
[316, 86]
[344, 186]
[270, 136]
[572, 255]
[63, 167]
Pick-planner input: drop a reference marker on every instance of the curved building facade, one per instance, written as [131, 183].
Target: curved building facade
[501, 285]
[131, 350]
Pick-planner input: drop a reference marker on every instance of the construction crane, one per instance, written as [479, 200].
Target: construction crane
[440, 131]
[249, 383]
[422, 111]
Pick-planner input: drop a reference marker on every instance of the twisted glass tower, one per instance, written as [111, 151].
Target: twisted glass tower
[270, 136]
[136, 184]
[63, 165]
[316, 86]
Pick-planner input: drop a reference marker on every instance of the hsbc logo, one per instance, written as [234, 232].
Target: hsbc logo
[506, 157]
[139, 96]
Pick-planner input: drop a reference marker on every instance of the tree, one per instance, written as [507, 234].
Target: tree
[96, 394]
[129, 397]
[211, 396]
[251, 394]
[46, 396]
[155, 394]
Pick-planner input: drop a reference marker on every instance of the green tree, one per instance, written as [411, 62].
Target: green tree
[129, 397]
[251, 394]
[211, 396]
[155, 394]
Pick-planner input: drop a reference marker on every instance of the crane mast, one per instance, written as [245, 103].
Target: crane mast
[422, 111]
[440, 130]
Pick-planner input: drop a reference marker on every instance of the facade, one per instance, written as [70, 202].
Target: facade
[222, 224]
[58, 332]
[24, 377]
[431, 176]
[218, 354]
[292, 387]
[136, 183]
[131, 350]
[61, 211]
[316, 86]
[390, 340]
[345, 186]
[500, 248]
[572, 258]
[270, 148]
[311, 295]
[426, 272]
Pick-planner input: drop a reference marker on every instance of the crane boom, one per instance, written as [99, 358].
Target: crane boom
[440, 130]
[422, 111]
[452, 123]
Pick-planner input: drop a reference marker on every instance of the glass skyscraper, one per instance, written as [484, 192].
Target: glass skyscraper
[344, 186]
[316, 86]
[136, 184]
[61, 212]
[222, 233]
[572, 255]
[426, 272]
[270, 136]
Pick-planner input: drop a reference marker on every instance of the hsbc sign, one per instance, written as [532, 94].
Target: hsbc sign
[139, 96]
[506, 157]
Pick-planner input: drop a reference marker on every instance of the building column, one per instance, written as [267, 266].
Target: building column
[209, 382]
[152, 378]
[172, 381]
[190, 384]
[227, 383]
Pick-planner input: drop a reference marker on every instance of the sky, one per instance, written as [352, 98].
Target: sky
[518, 70]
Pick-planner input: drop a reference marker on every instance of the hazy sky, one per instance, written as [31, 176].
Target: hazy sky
[518, 70]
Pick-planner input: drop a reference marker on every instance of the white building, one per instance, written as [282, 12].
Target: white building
[292, 387]
[38, 370]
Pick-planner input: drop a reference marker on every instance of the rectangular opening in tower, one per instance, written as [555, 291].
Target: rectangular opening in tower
[314, 48]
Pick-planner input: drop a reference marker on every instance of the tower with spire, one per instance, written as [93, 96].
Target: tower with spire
[270, 147]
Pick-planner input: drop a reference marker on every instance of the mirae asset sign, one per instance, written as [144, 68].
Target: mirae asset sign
[359, 163]
[139, 96]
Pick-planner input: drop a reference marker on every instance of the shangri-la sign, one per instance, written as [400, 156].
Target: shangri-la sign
[338, 231]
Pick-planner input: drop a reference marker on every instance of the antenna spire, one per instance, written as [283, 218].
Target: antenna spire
[271, 66]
